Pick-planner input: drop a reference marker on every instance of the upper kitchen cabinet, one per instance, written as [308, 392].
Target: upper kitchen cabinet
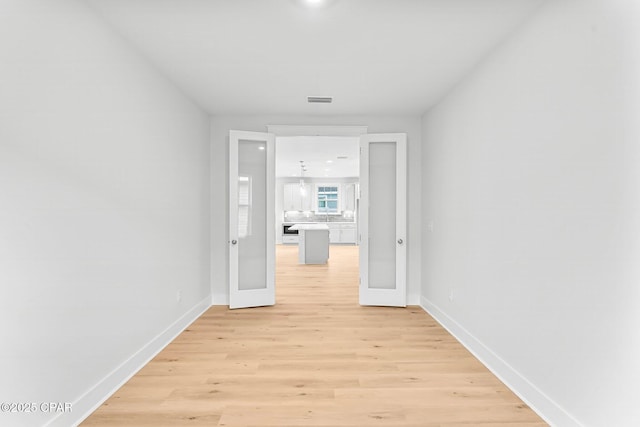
[297, 197]
[349, 195]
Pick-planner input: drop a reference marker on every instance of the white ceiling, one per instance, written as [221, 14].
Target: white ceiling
[323, 156]
[266, 56]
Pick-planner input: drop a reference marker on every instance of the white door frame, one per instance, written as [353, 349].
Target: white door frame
[368, 296]
[396, 293]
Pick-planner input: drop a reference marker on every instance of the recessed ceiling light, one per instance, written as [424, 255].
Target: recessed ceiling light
[261, 147]
[329, 161]
[314, 3]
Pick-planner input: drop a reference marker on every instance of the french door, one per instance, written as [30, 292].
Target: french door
[252, 215]
[383, 219]
[251, 219]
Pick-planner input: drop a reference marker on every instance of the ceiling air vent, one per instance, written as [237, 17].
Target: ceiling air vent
[319, 99]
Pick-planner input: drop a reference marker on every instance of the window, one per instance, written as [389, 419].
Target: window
[327, 199]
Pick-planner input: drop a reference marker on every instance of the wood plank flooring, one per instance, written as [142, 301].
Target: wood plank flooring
[315, 359]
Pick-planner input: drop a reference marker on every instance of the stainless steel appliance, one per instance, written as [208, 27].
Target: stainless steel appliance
[286, 230]
[289, 236]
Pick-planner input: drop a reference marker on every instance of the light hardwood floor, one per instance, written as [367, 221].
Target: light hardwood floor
[315, 359]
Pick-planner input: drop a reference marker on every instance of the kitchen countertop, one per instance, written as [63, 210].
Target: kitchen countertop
[309, 226]
[323, 222]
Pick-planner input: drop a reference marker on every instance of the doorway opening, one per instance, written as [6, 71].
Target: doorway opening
[317, 185]
[381, 234]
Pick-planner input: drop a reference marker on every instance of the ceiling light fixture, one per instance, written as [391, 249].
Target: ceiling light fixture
[303, 168]
[314, 3]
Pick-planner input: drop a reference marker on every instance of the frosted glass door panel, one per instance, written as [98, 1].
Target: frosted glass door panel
[382, 218]
[252, 205]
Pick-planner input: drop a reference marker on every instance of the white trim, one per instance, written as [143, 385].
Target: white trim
[543, 405]
[302, 130]
[86, 404]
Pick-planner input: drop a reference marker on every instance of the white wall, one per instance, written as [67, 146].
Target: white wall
[220, 127]
[531, 178]
[104, 208]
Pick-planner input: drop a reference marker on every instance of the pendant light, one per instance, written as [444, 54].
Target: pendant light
[303, 168]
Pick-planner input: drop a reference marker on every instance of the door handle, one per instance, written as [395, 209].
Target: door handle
[400, 241]
[233, 242]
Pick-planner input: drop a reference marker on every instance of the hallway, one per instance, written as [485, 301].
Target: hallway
[315, 359]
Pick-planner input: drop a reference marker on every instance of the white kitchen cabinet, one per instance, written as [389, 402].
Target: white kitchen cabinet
[290, 239]
[349, 194]
[342, 232]
[291, 197]
[348, 232]
[348, 235]
[306, 199]
[294, 199]
[334, 234]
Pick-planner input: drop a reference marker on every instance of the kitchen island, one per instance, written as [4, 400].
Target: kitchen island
[313, 243]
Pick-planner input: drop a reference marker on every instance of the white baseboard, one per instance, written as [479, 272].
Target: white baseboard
[223, 299]
[94, 397]
[549, 410]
